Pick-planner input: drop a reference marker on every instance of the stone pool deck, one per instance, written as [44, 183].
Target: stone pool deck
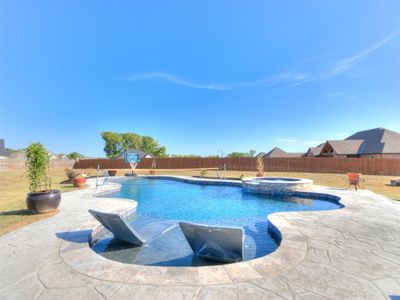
[349, 253]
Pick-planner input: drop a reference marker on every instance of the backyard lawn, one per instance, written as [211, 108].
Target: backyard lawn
[13, 189]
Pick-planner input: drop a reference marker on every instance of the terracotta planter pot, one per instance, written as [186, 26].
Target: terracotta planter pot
[79, 182]
[152, 172]
[43, 202]
[112, 172]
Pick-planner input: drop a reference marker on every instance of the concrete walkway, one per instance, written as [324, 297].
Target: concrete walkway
[350, 253]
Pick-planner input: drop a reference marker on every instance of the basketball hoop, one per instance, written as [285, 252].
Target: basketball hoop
[133, 158]
[133, 165]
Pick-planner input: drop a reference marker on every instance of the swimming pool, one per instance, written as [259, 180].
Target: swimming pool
[171, 200]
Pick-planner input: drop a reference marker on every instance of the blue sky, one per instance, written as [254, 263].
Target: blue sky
[197, 75]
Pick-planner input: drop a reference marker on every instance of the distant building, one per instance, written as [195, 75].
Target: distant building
[261, 154]
[278, 152]
[314, 151]
[20, 154]
[378, 142]
[3, 150]
[51, 155]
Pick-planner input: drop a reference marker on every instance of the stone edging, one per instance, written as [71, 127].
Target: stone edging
[290, 253]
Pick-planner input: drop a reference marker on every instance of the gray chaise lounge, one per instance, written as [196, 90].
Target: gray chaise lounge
[223, 244]
[121, 229]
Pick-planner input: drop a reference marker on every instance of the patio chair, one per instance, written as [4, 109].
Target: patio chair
[122, 229]
[356, 180]
[222, 244]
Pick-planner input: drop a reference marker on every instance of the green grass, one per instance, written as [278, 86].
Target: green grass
[13, 189]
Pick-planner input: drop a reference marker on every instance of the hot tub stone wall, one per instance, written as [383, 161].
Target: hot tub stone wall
[277, 187]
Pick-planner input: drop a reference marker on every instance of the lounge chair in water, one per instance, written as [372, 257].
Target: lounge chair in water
[122, 229]
[223, 244]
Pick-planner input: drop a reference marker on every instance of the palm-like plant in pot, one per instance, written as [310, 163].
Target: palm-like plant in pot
[40, 200]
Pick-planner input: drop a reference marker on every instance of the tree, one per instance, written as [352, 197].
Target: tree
[131, 140]
[113, 143]
[184, 155]
[149, 145]
[117, 143]
[242, 154]
[161, 152]
[237, 154]
[74, 155]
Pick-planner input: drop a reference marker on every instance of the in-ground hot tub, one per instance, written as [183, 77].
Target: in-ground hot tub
[276, 185]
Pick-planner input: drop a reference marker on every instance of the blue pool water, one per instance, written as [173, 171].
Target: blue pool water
[171, 200]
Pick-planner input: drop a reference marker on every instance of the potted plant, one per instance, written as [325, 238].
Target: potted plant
[40, 200]
[112, 172]
[203, 173]
[71, 174]
[79, 181]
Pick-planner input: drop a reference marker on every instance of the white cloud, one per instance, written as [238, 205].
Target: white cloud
[176, 80]
[347, 63]
[287, 78]
[280, 78]
[343, 95]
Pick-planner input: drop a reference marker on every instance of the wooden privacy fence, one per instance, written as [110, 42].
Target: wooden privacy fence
[373, 166]
[240, 164]
[19, 164]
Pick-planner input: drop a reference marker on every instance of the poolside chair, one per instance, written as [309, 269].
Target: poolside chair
[222, 244]
[356, 180]
[121, 229]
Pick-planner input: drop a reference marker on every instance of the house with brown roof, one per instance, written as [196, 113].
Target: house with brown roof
[278, 152]
[378, 142]
[314, 151]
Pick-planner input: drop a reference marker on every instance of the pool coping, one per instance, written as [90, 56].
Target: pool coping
[290, 253]
[351, 253]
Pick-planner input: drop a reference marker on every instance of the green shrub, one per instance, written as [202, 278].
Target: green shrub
[71, 174]
[37, 162]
